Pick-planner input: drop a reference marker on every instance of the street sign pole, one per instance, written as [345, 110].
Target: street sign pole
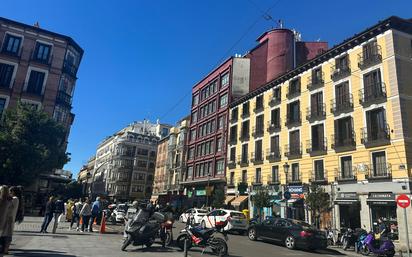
[406, 231]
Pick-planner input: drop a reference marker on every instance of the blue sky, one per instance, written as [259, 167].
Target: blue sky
[142, 57]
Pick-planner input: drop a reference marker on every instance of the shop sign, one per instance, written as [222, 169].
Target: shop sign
[382, 196]
[200, 192]
[347, 196]
[295, 189]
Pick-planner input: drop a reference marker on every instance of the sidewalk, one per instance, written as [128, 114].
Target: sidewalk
[28, 242]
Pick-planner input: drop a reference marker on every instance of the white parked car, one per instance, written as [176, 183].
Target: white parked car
[194, 213]
[236, 220]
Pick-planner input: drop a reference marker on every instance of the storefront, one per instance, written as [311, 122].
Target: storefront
[296, 205]
[382, 205]
[349, 209]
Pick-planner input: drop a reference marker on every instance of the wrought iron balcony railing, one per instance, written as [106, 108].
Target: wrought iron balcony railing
[345, 174]
[256, 180]
[293, 150]
[318, 176]
[379, 171]
[256, 157]
[316, 112]
[316, 82]
[371, 57]
[69, 68]
[370, 135]
[320, 145]
[293, 178]
[290, 120]
[273, 126]
[372, 93]
[258, 131]
[273, 180]
[343, 103]
[340, 141]
[242, 160]
[274, 101]
[339, 72]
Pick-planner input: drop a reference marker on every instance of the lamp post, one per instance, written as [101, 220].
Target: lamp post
[286, 169]
[207, 189]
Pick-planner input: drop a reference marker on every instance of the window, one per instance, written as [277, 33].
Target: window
[35, 84]
[219, 144]
[142, 152]
[275, 174]
[233, 134]
[137, 189]
[317, 77]
[221, 121]
[346, 167]
[245, 109]
[194, 117]
[275, 118]
[277, 94]
[318, 138]
[12, 44]
[319, 170]
[258, 174]
[6, 74]
[344, 132]
[259, 125]
[60, 114]
[258, 150]
[244, 176]
[42, 52]
[141, 164]
[233, 154]
[259, 103]
[220, 167]
[235, 113]
[195, 100]
[2, 105]
[190, 171]
[232, 178]
[192, 135]
[274, 144]
[372, 86]
[191, 153]
[294, 87]
[294, 142]
[342, 63]
[245, 130]
[379, 168]
[316, 104]
[244, 153]
[223, 101]
[295, 172]
[376, 125]
[225, 79]
[293, 112]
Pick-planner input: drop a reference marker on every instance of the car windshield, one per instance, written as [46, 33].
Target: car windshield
[238, 215]
[303, 224]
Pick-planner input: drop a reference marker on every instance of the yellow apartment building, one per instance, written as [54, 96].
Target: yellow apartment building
[340, 120]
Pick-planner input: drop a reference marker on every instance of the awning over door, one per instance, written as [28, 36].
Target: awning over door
[239, 200]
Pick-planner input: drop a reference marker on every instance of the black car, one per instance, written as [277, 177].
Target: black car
[292, 233]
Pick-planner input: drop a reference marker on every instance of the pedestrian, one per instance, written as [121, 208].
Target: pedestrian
[8, 229]
[85, 214]
[96, 212]
[58, 211]
[18, 192]
[5, 202]
[76, 208]
[383, 229]
[48, 214]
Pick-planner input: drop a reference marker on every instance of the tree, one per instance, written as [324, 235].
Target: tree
[218, 198]
[72, 190]
[31, 143]
[318, 202]
[261, 199]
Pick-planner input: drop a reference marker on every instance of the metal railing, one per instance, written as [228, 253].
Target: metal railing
[274, 101]
[293, 120]
[293, 150]
[373, 135]
[320, 145]
[64, 99]
[380, 171]
[315, 82]
[341, 104]
[339, 72]
[258, 131]
[258, 108]
[242, 159]
[256, 157]
[273, 154]
[371, 57]
[69, 68]
[257, 180]
[338, 142]
[372, 93]
[318, 176]
[273, 126]
[316, 112]
[345, 174]
[244, 136]
[293, 177]
[293, 93]
[273, 179]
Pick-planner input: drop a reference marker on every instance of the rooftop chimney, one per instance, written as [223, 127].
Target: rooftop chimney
[37, 25]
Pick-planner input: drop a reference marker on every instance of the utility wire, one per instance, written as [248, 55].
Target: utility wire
[265, 15]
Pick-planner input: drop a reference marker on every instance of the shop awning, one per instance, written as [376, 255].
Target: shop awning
[229, 198]
[372, 201]
[239, 200]
[346, 201]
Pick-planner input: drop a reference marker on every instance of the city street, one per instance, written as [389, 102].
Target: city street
[28, 242]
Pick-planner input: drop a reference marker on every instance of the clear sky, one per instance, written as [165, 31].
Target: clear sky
[142, 57]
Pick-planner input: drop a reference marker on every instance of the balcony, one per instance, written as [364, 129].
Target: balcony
[368, 59]
[64, 99]
[318, 177]
[233, 140]
[258, 131]
[273, 155]
[271, 180]
[231, 163]
[69, 68]
[375, 136]
[46, 62]
[293, 178]
[343, 142]
[243, 161]
[256, 158]
[233, 119]
[293, 121]
[345, 175]
[372, 93]
[316, 112]
[273, 126]
[293, 93]
[231, 184]
[274, 101]
[313, 146]
[342, 104]
[258, 108]
[380, 171]
[316, 82]
[257, 180]
[244, 136]
[339, 72]
[293, 150]
[245, 114]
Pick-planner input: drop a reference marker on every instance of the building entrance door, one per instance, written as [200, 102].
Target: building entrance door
[350, 216]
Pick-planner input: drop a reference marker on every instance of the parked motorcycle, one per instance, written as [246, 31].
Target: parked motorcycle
[350, 237]
[383, 247]
[167, 230]
[200, 237]
[360, 242]
[144, 228]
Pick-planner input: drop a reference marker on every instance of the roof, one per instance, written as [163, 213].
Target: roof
[69, 39]
[392, 22]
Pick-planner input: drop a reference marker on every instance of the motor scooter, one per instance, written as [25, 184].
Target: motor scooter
[382, 247]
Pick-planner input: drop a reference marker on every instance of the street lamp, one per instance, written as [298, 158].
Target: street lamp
[286, 169]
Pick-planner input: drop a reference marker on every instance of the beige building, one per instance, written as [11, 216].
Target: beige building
[85, 176]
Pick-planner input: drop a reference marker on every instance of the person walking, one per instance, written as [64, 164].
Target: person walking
[95, 212]
[5, 202]
[48, 214]
[7, 234]
[85, 213]
[75, 209]
[59, 210]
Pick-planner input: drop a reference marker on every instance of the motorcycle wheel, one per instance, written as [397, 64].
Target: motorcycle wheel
[219, 247]
[127, 241]
[168, 239]
[151, 241]
[345, 244]
[365, 250]
[180, 241]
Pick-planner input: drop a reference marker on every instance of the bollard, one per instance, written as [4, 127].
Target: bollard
[185, 248]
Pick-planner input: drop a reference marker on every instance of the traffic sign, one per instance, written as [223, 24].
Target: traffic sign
[403, 201]
[287, 195]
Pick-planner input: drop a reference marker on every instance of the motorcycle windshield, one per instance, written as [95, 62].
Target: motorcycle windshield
[141, 216]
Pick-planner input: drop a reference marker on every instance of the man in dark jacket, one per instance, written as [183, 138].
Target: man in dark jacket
[48, 214]
[96, 212]
[59, 209]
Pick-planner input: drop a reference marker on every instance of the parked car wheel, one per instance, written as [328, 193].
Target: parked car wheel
[290, 242]
[252, 234]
